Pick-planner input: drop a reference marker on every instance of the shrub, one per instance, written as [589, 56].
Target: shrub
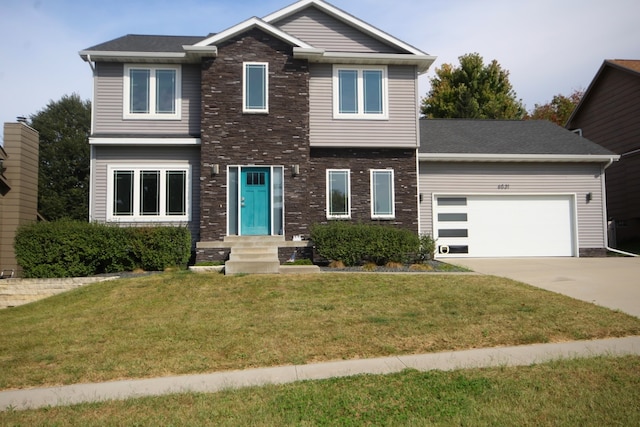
[357, 243]
[427, 248]
[71, 248]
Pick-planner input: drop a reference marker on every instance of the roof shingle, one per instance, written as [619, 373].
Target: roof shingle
[539, 137]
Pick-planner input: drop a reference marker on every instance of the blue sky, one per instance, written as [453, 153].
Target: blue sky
[548, 46]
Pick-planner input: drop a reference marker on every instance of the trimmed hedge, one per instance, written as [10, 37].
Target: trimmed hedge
[354, 244]
[73, 249]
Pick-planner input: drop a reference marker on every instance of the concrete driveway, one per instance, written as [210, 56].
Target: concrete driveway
[610, 282]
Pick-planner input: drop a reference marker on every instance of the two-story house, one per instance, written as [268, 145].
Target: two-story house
[306, 115]
[251, 135]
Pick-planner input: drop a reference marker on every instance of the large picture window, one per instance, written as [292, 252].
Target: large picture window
[382, 194]
[360, 92]
[152, 92]
[149, 194]
[256, 87]
[338, 194]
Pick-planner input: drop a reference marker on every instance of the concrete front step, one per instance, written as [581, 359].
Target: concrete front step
[252, 256]
[252, 267]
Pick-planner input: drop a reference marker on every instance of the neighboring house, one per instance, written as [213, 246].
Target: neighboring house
[18, 189]
[310, 115]
[492, 188]
[609, 115]
[306, 115]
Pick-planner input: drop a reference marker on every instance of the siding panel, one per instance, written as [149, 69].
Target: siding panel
[399, 129]
[609, 117]
[522, 178]
[141, 156]
[108, 105]
[323, 31]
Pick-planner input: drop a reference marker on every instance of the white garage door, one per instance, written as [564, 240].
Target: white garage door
[504, 226]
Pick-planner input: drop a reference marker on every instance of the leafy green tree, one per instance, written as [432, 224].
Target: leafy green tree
[63, 181]
[472, 91]
[558, 110]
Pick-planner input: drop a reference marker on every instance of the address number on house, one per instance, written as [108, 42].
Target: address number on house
[503, 186]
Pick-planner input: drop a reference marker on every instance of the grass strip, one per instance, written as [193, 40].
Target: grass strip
[586, 392]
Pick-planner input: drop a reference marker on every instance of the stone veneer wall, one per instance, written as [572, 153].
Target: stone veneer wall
[230, 137]
[281, 137]
[360, 161]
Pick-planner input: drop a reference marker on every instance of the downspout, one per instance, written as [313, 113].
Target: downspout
[606, 234]
[91, 147]
[93, 69]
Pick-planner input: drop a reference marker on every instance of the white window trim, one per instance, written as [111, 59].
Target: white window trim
[393, 194]
[151, 115]
[137, 169]
[245, 109]
[360, 115]
[328, 194]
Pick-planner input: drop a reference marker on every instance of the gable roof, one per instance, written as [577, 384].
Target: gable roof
[248, 25]
[346, 18]
[149, 48]
[505, 140]
[630, 66]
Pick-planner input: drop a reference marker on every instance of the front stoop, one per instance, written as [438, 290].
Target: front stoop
[253, 254]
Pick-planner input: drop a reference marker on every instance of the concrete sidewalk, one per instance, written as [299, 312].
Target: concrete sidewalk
[486, 357]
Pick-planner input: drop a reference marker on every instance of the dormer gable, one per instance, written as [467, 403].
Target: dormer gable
[248, 25]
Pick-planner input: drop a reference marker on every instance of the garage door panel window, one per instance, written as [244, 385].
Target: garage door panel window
[453, 232]
[452, 217]
[452, 201]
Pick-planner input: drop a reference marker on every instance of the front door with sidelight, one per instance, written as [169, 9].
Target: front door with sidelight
[255, 201]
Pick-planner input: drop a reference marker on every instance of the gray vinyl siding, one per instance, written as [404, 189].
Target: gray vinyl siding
[142, 156]
[108, 105]
[399, 130]
[325, 32]
[522, 178]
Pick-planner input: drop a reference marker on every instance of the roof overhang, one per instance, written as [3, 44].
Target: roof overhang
[129, 141]
[558, 158]
[190, 55]
[422, 62]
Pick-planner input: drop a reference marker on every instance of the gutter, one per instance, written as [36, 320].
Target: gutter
[467, 157]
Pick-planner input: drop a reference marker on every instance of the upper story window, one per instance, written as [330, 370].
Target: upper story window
[152, 92]
[338, 194]
[360, 92]
[382, 194]
[255, 92]
[149, 194]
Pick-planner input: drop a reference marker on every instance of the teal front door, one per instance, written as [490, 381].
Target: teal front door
[254, 201]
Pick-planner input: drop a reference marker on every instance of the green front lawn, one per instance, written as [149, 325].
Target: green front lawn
[181, 323]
